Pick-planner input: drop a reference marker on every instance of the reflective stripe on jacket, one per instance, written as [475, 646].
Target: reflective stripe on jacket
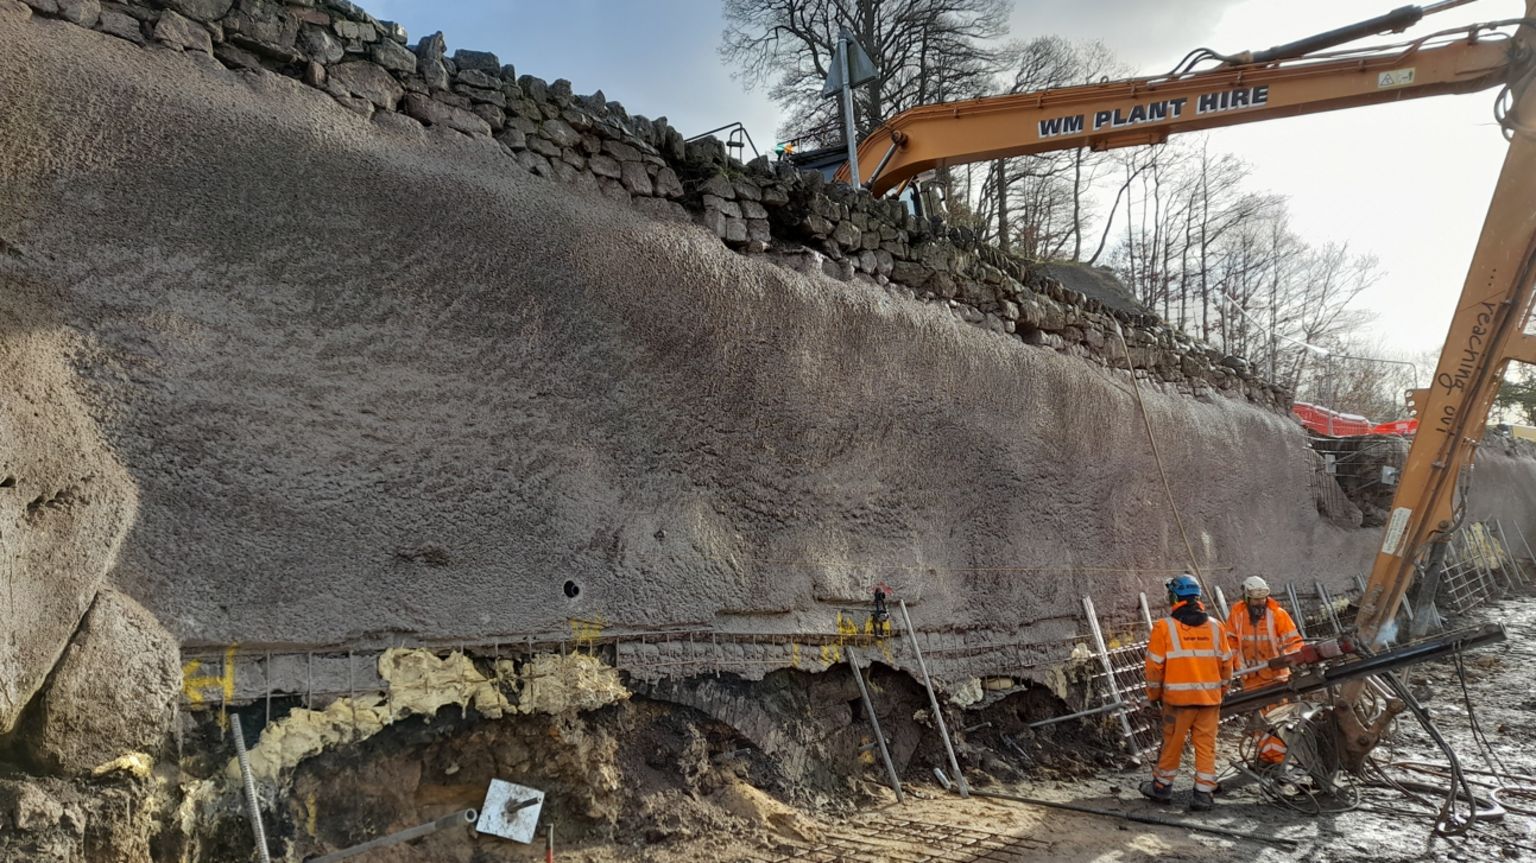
[1188, 665]
[1275, 634]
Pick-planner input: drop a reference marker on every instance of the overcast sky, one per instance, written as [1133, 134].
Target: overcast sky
[1408, 182]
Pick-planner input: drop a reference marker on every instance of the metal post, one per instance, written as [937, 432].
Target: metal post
[1518, 573]
[933, 701]
[1333, 615]
[1481, 562]
[1146, 613]
[1092, 711]
[464, 817]
[252, 807]
[1520, 532]
[874, 722]
[848, 125]
[1221, 604]
[1296, 612]
[1109, 670]
[1495, 533]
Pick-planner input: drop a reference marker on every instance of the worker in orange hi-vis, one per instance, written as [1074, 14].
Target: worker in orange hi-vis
[1264, 634]
[1189, 667]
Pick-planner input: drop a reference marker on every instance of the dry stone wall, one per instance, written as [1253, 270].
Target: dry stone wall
[593, 143]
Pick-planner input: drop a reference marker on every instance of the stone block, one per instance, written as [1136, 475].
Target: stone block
[513, 137]
[492, 115]
[543, 146]
[113, 692]
[735, 230]
[394, 56]
[200, 10]
[318, 44]
[667, 184]
[483, 61]
[606, 166]
[436, 113]
[367, 81]
[429, 61]
[121, 25]
[720, 186]
[83, 12]
[478, 78]
[477, 95]
[636, 178]
[356, 31]
[393, 31]
[561, 133]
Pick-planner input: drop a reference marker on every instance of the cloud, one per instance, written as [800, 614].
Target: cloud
[1150, 36]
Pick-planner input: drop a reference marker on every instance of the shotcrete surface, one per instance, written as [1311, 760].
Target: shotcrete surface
[373, 382]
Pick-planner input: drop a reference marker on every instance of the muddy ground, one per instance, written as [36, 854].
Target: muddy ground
[1385, 826]
[662, 777]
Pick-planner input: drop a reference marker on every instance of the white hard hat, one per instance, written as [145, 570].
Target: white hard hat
[1255, 587]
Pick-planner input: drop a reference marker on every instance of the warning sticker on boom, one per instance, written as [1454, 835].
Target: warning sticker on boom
[1394, 78]
[1395, 528]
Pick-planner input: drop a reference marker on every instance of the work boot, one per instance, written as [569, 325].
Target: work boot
[1201, 801]
[1156, 791]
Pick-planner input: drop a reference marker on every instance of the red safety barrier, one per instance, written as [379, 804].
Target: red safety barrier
[1335, 424]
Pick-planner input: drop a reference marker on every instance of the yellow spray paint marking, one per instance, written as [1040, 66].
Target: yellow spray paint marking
[831, 654]
[587, 632]
[194, 684]
[310, 815]
[846, 626]
[794, 654]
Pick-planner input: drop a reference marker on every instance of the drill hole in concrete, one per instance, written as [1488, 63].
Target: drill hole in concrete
[8, 482]
[572, 589]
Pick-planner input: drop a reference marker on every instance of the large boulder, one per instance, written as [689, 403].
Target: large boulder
[112, 693]
[65, 502]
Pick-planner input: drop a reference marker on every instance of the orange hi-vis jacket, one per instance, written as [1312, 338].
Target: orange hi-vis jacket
[1274, 635]
[1188, 666]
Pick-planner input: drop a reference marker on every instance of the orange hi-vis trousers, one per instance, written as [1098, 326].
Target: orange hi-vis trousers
[1198, 724]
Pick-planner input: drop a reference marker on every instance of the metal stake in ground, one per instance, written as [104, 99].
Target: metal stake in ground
[1109, 673]
[1296, 612]
[874, 722]
[462, 818]
[252, 808]
[933, 701]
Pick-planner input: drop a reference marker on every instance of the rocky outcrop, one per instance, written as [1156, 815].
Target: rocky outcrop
[113, 692]
[65, 502]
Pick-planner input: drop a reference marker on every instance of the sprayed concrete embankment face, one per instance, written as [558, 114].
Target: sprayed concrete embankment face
[372, 381]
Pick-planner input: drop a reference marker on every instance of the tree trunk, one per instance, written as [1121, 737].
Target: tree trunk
[1001, 190]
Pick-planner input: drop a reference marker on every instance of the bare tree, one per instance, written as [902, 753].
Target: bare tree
[1360, 376]
[924, 51]
[1043, 205]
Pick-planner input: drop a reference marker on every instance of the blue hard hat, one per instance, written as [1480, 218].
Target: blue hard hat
[1184, 587]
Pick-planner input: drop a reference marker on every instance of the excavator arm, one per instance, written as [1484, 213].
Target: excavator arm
[1140, 111]
[1488, 331]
